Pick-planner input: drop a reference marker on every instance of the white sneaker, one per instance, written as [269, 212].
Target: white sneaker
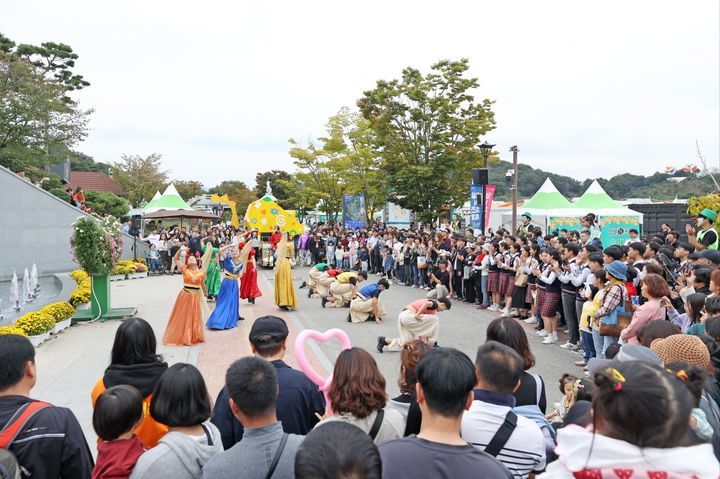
[567, 345]
[549, 340]
[413, 286]
[532, 320]
[492, 307]
[542, 333]
[505, 312]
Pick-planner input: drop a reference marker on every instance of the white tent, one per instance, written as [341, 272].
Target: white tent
[170, 200]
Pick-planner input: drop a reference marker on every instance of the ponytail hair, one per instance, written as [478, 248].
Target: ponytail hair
[642, 404]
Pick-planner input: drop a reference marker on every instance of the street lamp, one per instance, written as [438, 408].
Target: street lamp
[485, 149]
[480, 178]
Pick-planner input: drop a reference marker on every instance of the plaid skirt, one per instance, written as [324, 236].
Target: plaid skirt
[502, 289]
[550, 304]
[510, 285]
[528, 294]
[493, 284]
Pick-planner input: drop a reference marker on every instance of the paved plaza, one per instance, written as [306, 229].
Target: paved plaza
[69, 365]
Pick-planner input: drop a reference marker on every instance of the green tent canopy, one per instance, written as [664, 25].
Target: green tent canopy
[152, 201]
[170, 200]
[595, 198]
[547, 198]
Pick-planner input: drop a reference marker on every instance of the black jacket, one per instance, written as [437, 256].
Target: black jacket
[51, 445]
[298, 401]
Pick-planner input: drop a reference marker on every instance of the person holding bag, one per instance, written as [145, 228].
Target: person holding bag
[612, 317]
[654, 288]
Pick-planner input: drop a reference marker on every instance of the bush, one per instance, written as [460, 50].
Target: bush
[82, 293]
[109, 203]
[12, 330]
[79, 276]
[35, 323]
[96, 244]
[699, 203]
[60, 193]
[59, 311]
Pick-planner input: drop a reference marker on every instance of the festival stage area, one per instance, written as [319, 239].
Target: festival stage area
[69, 365]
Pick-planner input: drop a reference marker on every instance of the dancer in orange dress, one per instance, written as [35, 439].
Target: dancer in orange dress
[185, 326]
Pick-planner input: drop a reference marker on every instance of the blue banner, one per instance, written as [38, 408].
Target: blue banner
[475, 218]
[354, 212]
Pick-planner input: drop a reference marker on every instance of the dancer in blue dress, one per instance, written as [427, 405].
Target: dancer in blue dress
[227, 307]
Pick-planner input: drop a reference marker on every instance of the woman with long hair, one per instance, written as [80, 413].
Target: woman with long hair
[134, 362]
[357, 396]
[550, 303]
[406, 402]
[227, 308]
[248, 276]
[285, 297]
[507, 331]
[185, 326]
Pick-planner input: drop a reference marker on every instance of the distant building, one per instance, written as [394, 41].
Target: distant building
[95, 181]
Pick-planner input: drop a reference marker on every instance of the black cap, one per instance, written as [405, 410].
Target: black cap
[269, 326]
[712, 255]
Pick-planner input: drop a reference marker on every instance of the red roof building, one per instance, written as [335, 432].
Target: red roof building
[95, 181]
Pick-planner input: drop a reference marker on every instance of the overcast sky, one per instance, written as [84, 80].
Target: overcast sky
[587, 89]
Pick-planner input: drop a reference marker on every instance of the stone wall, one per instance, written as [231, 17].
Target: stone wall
[35, 227]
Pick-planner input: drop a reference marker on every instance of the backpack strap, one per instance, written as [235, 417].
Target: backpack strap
[502, 435]
[16, 423]
[538, 388]
[276, 459]
[376, 424]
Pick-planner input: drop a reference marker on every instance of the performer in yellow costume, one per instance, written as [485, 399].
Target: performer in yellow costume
[285, 296]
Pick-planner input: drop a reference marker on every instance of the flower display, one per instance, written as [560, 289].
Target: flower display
[59, 311]
[96, 244]
[35, 323]
[12, 330]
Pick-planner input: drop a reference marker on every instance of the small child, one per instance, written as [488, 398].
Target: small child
[569, 387]
[346, 259]
[118, 411]
[363, 257]
[388, 262]
[589, 308]
[339, 257]
[694, 304]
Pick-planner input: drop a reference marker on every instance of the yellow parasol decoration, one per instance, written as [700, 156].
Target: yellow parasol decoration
[265, 214]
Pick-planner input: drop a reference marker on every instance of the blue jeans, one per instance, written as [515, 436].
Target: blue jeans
[420, 277]
[588, 345]
[154, 264]
[483, 289]
[602, 343]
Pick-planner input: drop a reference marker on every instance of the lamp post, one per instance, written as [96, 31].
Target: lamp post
[485, 149]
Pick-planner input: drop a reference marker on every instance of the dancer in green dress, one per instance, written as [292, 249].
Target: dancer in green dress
[213, 279]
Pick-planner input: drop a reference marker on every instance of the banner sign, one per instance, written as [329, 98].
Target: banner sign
[616, 229]
[354, 212]
[489, 195]
[475, 219]
[557, 223]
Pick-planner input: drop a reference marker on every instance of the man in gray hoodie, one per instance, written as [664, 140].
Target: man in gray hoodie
[265, 450]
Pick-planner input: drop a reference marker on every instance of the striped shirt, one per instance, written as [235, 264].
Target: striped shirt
[524, 452]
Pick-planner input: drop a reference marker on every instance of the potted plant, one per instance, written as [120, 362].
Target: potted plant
[119, 272]
[36, 325]
[97, 245]
[80, 297]
[140, 271]
[12, 329]
[62, 313]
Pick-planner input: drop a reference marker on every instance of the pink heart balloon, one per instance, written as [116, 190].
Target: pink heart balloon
[323, 383]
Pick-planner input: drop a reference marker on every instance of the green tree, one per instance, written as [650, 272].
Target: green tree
[140, 176]
[276, 178]
[320, 173]
[188, 188]
[427, 128]
[238, 192]
[37, 113]
[82, 162]
[361, 172]
[102, 203]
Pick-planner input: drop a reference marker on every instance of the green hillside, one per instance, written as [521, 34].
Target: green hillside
[619, 187]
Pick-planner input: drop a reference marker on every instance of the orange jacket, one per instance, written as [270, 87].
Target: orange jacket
[149, 431]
